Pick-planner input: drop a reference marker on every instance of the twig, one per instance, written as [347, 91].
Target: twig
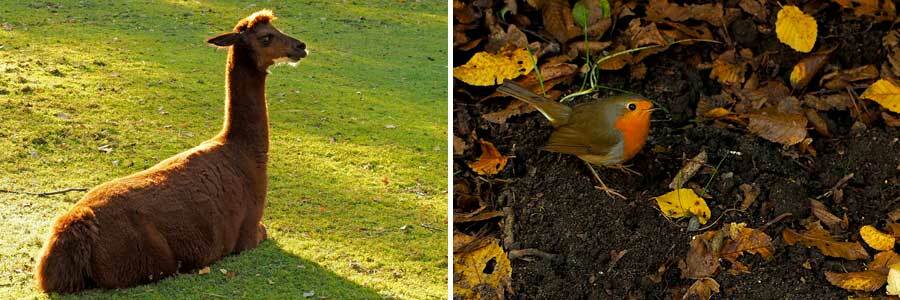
[429, 227]
[522, 253]
[717, 219]
[775, 220]
[45, 194]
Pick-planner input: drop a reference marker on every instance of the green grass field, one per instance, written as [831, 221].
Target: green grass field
[357, 168]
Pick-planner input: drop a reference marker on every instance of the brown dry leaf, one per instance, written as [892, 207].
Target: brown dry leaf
[750, 194]
[807, 67]
[472, 279]
[490, 162]
[464, 13]
[894, 215]
[459, 145]
[876, 239]
[883, 10]
[816, 236]
[638, 71]
[659, 10]
[796, 29]
[885, 92]
[727, 70]
[719, 102]
[861, 281]
[558, 20]
[639, 36]
[890, 120]
[817, 121]
[618, 62]
[757, 8]
[821, 212]
[702, 289]
[688, 170]
[827, 102]
[485, 68]
[593, 47]
[769, 92]
[514, 108]
[701, 261]
[743, 239]
[688, 32]
[511, 38]
[478, 215]
[882, 261]
[838, 80]
[783, 128]
[204, 271]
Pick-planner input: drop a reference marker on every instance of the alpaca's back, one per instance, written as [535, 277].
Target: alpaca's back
[183, 213]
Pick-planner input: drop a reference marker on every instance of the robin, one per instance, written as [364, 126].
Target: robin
[605, 133]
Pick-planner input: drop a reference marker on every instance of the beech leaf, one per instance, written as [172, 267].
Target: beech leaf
[490, 162]
[816, 236]
[486, 69]
[796, 29]
[885, 92]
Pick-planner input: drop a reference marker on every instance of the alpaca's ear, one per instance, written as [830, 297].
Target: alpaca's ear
[225, 39]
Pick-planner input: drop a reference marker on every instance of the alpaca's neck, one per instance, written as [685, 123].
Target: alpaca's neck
[246, 112]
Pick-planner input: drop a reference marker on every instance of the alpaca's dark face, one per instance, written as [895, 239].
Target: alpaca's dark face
[267, 44]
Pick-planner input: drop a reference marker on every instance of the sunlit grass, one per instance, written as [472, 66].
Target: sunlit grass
[356, 209]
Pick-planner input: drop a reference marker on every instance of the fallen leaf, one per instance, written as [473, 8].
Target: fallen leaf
[701, 261]
[885, 92]
[827, 102]
[204, 271]
[818, 122]
[485, 69]
[688, 170]
[617, 62]
[784, 128]
[309, 294]
[482, 272]
[751, 192]
[658, 10]
[702, 289]
[514, 108]
[726, 70]
[885, 11]
[743, 239]
[807, 67]
[757, 8]
[682, 203]
[890, 120]
[840, 79]
[816, 236]
[459, 145]
[862, 281]
[796, 29]
[821, 212]
[558, 19]
[639, 35]
[876, 239]
[490, 162]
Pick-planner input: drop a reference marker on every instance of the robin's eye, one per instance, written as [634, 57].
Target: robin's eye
[632, 106]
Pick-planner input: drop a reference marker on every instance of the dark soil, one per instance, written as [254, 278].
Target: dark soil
[557, 209]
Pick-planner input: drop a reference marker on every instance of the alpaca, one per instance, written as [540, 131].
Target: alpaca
[191, 209]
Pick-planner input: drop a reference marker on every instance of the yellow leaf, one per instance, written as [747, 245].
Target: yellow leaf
[876, 239]
[481, 273]
[485, 69]
[886, 93]
[862, 281]
[490, 162]
[796, 29]
[682, 203]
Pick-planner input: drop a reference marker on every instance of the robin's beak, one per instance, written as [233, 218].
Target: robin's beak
[652, 109]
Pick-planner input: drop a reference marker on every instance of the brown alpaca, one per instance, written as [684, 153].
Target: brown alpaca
[191, 209]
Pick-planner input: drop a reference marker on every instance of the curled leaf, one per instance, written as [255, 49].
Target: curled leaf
[807, 67]
[485, 69]
[796, 29]
[893, 280]
[816, 236]
[682, 203]
[885, 92]
[876, 239]
[702, 289]
[490, 162]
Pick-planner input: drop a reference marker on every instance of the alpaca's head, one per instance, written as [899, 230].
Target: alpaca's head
[267, 44]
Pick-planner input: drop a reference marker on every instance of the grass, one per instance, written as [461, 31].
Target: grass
[357, 169]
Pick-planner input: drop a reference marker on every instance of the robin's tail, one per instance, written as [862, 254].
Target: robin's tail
[64, 264]
[557, 113]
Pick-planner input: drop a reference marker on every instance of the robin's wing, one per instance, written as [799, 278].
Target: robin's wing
[590, 134]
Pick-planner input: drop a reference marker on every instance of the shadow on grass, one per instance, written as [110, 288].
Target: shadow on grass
[267, 272]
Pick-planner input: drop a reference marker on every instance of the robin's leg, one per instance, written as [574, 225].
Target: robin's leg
[609, 192]
[624, 168]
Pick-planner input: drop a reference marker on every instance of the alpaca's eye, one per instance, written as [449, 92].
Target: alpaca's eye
[631, 106]
[266, 39]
